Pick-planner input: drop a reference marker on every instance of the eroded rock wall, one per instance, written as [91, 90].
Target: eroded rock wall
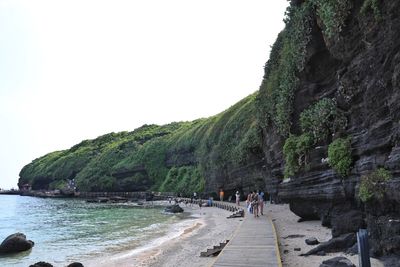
[361, 70]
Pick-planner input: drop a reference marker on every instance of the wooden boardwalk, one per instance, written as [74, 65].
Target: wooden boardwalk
[254, 244]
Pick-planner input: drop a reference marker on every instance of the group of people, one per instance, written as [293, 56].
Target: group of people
[255, 203]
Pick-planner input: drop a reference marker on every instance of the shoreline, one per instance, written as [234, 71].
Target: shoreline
[183, 242]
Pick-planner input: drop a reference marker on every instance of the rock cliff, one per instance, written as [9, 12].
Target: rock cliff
[358, 67]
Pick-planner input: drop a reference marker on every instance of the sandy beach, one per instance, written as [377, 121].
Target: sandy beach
[286, 226]
[207, 227]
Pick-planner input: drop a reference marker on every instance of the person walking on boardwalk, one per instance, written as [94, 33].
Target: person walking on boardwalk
[237, 195]
[261, 202]
[248, 202]
[221, 195]
[254, 203]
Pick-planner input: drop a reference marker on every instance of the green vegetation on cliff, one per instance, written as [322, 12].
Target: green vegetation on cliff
[339, 155]
[373, 185]
[318, 123]
[174, 157]
[276, 95]
[288, 57]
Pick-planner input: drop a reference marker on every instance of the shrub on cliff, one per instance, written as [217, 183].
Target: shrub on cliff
[333, 14]
[322, 119]
[318, 123]
[289, 151]
[295, 151]
[372, 5]
[339, 156]
[372, 186]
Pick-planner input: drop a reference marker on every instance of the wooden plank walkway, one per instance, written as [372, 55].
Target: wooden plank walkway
[254, 244]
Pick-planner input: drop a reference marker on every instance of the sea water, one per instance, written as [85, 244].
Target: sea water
[68, 230]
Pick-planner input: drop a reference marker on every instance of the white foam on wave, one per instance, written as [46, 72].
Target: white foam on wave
[174, 231]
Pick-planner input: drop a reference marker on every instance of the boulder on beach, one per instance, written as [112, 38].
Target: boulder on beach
[312, 241]
[173, 209]
[75, 264]
[41, 264]
[337, 262]
[15, 243]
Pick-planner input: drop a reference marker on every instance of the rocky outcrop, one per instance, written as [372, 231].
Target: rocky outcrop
[173, 209]
[348, 222]
[15, 243]
[312, 241]
[337, 262]
[360, 69]
[334, 245]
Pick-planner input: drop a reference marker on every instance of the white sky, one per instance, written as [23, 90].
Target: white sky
[75, 69]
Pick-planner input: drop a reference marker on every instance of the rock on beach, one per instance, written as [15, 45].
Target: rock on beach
[173, 209]
[337, 262]
[41, 264]
[16, 243]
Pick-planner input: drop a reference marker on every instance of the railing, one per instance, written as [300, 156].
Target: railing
[111, 194]
[138, 195]
[218, 204]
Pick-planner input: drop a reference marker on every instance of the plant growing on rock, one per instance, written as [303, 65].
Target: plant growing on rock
[317, 122]
[289, 151]
[322, 119]
[288, 54]
[373, 185]
[333, 14]
[339, 156]
[295, 151]
[371, 5]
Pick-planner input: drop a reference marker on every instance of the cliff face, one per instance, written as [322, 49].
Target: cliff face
[358, 67]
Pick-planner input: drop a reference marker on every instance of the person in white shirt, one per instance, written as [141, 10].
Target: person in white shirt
[237, 198]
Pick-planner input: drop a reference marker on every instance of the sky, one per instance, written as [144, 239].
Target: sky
[72, 70]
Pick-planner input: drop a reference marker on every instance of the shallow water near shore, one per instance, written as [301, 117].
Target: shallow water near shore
[68, 230]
